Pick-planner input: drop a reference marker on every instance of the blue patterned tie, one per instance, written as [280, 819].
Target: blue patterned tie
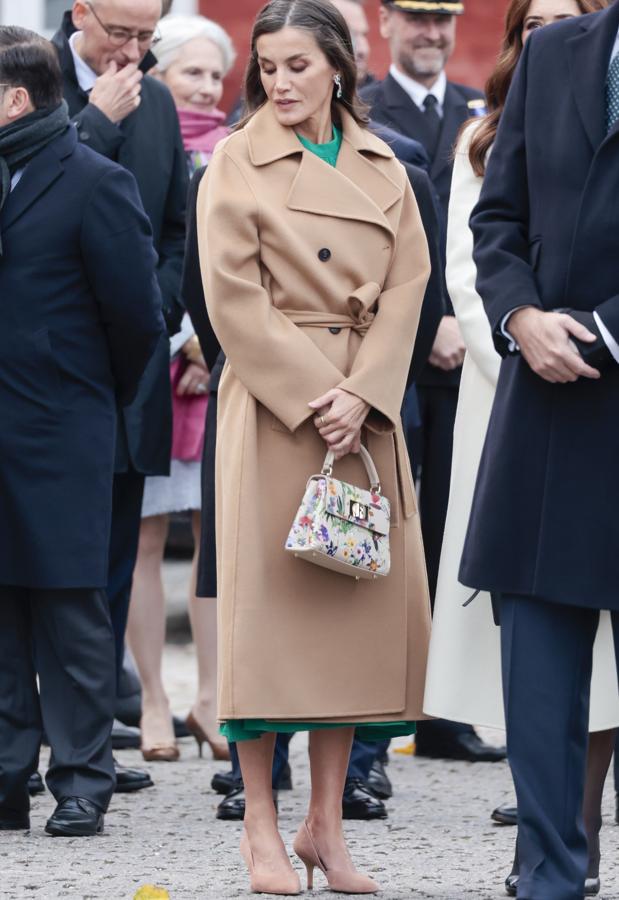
[612, 94]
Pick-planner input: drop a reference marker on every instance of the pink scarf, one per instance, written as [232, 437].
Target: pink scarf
[201, 131]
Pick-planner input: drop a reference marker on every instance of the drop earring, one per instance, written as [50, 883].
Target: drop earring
[337, 80]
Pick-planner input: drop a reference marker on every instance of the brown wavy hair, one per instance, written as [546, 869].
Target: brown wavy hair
[498, 84]
[331, 33]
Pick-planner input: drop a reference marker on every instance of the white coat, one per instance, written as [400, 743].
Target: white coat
[463, 681]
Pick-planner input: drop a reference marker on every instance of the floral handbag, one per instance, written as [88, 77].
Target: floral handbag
[343, 527]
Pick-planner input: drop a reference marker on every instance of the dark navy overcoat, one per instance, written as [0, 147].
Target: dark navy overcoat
[81, 314]
[545, 517]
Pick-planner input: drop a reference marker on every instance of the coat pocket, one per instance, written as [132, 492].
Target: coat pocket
[535, 249]
[52, 378]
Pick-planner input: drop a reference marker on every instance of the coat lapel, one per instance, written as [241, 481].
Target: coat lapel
[589, 56]
[455, 112]
[39, 175]
[356, 189]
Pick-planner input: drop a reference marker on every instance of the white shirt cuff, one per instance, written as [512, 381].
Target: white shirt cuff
[512, 345]
[609, 340]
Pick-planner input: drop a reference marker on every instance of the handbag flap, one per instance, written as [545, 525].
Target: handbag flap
[358, 506]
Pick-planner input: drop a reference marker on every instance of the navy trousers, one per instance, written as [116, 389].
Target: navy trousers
[547, 651]
[125, 534]
[363, 755]
[68, 633]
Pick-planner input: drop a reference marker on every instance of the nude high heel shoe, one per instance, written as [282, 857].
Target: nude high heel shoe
[219, 748]
[273, 883]
[339, 881]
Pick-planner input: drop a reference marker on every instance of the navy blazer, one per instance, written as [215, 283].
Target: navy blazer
[76, 336]
[544, 519]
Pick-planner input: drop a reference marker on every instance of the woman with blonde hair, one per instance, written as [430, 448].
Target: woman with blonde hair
[464, 667]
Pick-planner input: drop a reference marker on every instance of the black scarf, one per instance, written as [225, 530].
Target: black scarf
[26, 137]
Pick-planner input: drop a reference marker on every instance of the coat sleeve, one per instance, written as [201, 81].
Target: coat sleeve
[500, 221]
[380, 369]
[434, 305]
[119, 259]
[276, 361]
[98, 132]
[461, 271]
[192, 290]
[171, 247]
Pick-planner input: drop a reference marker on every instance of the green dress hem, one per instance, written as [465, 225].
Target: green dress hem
[250, 729]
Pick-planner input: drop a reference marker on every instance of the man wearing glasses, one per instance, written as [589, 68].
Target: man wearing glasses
[104, 51]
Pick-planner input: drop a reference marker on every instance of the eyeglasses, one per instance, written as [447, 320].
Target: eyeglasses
[118, 37]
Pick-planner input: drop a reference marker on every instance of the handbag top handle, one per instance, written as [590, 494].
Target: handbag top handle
[368, 462]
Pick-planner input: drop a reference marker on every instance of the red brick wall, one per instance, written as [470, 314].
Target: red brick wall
[479, 35]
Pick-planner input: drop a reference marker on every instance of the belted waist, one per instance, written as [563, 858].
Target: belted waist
[359, 317]
[327, 320]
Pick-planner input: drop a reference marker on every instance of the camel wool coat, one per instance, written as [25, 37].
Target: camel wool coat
[314, 278]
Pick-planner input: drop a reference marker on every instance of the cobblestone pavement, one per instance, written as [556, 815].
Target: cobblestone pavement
[437, 844]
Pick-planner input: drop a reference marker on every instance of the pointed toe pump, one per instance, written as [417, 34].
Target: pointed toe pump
[286, 882]
[340, 881]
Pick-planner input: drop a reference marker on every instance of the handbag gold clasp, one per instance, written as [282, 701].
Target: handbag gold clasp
[359, 510]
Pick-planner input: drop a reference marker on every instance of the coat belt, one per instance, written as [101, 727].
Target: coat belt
[311, 319]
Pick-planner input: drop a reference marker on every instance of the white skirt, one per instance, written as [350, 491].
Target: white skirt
[176, 492]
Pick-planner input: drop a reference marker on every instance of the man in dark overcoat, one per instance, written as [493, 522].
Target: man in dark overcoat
[417, 100]
[129, 117]
[81, 317]
[543, 532]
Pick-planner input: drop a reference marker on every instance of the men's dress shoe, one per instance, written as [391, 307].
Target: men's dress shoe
[129, 780]
[592, 887]
[617, 808]
[232, 807]
[505, 815]
[224, 782]
[511, 885]
[285, 779]
[379, 781]
[466, 746]
[359, 802]
[35, 784]
[180, 727]
[75, 817]
[125, 737]
[13, 820]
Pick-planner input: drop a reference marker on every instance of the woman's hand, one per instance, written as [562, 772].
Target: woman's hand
[192, 352]
[194, 381]
[339, 421]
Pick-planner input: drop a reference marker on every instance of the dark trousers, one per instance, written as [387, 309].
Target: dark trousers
[65, 637]
[363, 755]
[125, 534]
[547, 651]
[280, 759]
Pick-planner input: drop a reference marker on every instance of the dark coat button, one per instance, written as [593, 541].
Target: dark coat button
[84, 135]
[324, 254]
[335, 330]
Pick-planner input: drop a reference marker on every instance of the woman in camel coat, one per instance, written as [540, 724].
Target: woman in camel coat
[315, 263]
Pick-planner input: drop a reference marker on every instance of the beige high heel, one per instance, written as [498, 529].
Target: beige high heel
[288, 884]
[219, 749]
[340, 881]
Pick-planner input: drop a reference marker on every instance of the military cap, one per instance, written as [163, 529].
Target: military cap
[447, 7]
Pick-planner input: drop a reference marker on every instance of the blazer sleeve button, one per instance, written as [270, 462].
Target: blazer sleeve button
[324, 254]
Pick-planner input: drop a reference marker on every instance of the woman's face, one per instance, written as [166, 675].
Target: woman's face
[196, 77]
[545, 12]
[296, 76]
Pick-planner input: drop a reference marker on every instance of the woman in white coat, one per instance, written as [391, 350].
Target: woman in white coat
[464, 669]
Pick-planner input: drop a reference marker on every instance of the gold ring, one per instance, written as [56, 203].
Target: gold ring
[321, 421]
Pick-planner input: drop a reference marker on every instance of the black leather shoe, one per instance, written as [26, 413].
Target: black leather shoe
[35, 784]
[378, 780]
[232, 807]
[223, 782]
[75, 817]
[129, 780]
[13, 820]
[358, 801]
[511, 885]
[617, 808]
[505, 815]
[125, 737]
[466, 746]
[592, 887]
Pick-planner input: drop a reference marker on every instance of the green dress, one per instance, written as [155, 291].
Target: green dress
[246, 729]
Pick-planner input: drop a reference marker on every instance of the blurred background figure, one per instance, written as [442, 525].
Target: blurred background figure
[357, 21]
[193, 56]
